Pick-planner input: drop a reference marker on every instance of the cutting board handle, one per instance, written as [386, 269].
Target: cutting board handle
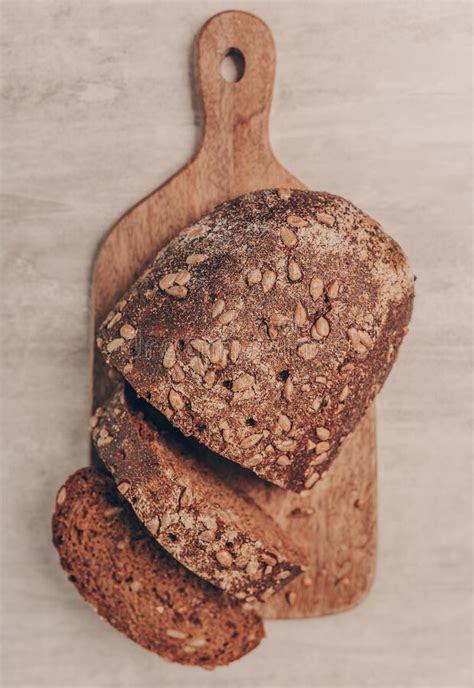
[235, 113]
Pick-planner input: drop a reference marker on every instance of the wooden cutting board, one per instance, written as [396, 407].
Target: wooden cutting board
[336, 522]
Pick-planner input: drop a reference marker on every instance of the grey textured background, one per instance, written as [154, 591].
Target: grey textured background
[372, 101]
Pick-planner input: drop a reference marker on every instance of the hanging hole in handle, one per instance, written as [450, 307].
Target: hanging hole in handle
[233, 66]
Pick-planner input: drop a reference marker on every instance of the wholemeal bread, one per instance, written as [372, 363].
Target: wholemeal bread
[137, 587]
[266, 329]
[190, 509]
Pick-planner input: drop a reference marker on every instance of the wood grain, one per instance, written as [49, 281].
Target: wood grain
[335, 523]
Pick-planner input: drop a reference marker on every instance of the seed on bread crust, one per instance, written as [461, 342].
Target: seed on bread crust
[333, 289]
[228, 316]
[176, 400]
[294, 271]
[201, 346]
[124, 487]
[225, 558]
[217, 308]
[268, 280]
[169, 359]
[243, 382]
[323, 433]
[62, 494]
[182, 277]
[167, 281]
[288, 237]
[300, 314]
[254, 277]
[316, 288]
[308, 351]
[115, 344]
[234, 350]
[177, 291]
[196, 258]
[296, 221]
[326, 219]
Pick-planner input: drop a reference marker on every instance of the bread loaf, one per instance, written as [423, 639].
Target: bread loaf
[137, 587]
[266, 329]
[215, 531]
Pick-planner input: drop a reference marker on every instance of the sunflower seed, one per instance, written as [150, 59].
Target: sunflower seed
[167, 281]
[176, 400]
[333, 290]
[288, 237]
[323, 433]
[178, 291]
[316, 288]
[169, 359]
[124, 487]
[308, 351]
[322, 327]
[224, 558]
[325, 219]
[300, 314]
[254, 461]
[61, 498]
[284, 194]
[366, 339]
[296, 221]
[197, 365]
[178, 635]
[243, 382]
[288, 389]
[201, 346]
[209, 378]
[294, 271]
[114, 320]
[286, 445]
[267, 594]
[278, 319]
[115, 344]
[182, 277]
[283, 460]
[216, 351]
[254, 277]
[227, 317]
[217, 308]
[250, 441]
[128, 367]
[234, 350]
[284, 422]
[322, 447]
[177, 374]
[268, 280]
[197, 642]
[253, 570]
[312, 480]
[196, 258]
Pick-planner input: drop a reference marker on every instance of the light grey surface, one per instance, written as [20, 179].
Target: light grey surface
[371, 102]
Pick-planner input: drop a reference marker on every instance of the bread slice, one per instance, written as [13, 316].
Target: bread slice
[190, 508]
[137, 587]
[266, 329]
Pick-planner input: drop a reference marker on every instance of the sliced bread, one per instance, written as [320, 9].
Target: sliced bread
[137, 587]
[184, 496]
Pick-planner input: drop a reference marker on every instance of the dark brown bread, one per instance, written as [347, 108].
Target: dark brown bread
[178, 491]
[266, 329]
[137, 587]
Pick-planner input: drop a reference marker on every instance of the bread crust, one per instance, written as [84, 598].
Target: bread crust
[137, 587]
[266, 329]
[189, 504]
